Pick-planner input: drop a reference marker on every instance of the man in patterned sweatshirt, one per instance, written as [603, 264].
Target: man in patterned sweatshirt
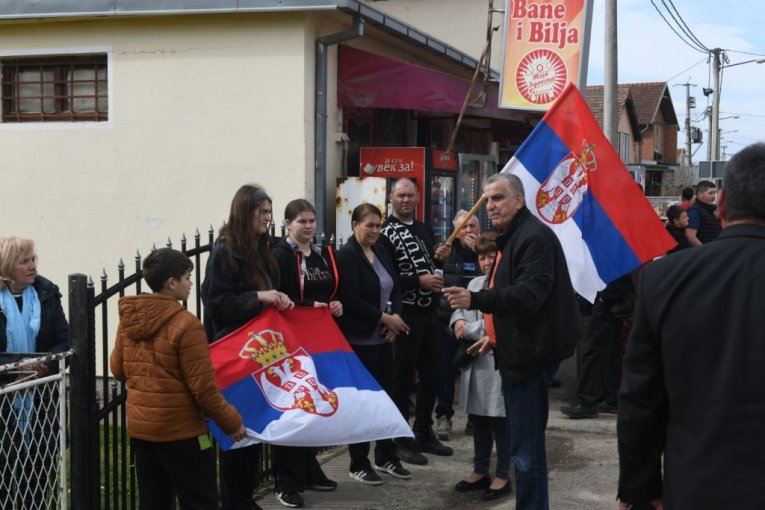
[411, 244]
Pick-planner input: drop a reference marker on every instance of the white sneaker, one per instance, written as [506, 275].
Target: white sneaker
[444, 428]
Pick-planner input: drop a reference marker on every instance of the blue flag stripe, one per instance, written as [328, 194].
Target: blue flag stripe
[613, 257]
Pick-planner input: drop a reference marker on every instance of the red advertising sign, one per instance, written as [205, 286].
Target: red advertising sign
[546, 47]
[443, 160]
[394, 163]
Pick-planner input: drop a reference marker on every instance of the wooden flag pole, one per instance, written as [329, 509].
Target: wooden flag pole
[472, 212]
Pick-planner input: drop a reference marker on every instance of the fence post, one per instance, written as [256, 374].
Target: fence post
[84, 432]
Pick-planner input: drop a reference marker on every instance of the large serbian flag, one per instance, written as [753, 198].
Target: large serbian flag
[295, 381]
[577, 185]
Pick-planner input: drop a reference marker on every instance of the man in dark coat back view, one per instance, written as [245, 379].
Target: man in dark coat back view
[693, 388]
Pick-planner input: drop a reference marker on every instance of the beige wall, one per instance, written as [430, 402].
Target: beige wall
[626, 127]
[200, 105]
[465, 31]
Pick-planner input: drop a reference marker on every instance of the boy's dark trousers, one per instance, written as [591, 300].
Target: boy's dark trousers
[185, 467]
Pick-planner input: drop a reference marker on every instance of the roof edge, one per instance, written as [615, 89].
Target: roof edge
[58, 9]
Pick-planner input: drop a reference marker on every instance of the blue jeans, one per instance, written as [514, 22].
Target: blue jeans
[526, 407]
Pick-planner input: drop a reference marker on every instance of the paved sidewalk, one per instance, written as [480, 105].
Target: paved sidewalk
[582, 461]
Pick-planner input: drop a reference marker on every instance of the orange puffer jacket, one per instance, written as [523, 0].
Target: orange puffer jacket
[161, 353]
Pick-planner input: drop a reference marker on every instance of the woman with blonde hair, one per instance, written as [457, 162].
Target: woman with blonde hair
[31, 321]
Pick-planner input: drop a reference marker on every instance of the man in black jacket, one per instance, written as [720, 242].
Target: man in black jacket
[410, 244]
[535, 321]
[694, 371]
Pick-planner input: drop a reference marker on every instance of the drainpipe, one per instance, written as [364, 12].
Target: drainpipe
[320, 125]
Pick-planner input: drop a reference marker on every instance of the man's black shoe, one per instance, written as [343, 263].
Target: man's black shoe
[406, 451]
[432, 445]
[579, 411]
[606, 408]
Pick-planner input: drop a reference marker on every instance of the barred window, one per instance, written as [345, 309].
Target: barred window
[55, 89]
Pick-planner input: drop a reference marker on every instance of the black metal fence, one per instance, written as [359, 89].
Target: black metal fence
[103, 475]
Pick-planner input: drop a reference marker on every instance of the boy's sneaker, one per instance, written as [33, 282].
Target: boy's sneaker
[395, 469]
[366, 476]
[289, 499]
[444, 428]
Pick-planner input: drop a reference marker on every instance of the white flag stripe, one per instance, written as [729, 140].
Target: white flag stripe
[581, 266]
[363, 415]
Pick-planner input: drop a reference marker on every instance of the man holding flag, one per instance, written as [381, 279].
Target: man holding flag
[532, 317]
[583, 203]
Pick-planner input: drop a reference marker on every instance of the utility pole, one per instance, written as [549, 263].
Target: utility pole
[690, 102]
[610, 77]
[710, 139]
[714, 135]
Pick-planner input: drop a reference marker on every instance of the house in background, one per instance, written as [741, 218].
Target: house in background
[659, 127]
[648, 130]
[627, 121]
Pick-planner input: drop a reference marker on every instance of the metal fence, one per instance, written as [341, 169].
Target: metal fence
[33, 464]
[103, 476]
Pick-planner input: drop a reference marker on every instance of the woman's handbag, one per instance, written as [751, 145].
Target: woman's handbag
[462, 359]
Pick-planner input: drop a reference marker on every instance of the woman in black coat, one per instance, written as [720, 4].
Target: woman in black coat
[241, 278]
[31, 320]
[370, 322]
[308, 275]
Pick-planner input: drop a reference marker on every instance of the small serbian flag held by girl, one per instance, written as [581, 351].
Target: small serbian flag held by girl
[295, 381]
[578, 186]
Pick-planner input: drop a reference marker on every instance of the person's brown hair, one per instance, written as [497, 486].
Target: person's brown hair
[163, 264]
[363, 210]
[486, 243]
[239, 234]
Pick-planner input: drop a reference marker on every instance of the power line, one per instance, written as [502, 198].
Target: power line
[747, 53]
[683, 26]
[700, 49]
[685, 70]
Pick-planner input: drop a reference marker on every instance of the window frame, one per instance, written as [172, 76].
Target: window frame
[64, 120]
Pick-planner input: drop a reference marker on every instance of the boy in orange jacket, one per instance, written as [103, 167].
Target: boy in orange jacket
[161, 353]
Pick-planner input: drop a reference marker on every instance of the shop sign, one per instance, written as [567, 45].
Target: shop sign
[546, 46]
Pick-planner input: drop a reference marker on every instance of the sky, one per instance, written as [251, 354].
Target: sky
[648, 50]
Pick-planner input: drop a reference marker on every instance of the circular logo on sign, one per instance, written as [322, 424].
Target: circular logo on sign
[541, 76]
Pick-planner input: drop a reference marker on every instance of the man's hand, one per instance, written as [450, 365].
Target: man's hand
[469, 241]
[431, 282]
[442, 251]
[458, 298]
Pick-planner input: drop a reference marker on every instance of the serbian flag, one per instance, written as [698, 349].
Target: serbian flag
[295, 381]
[577, 185]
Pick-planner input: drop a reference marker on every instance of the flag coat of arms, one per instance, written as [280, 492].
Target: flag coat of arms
[296, 381]
[577, 185]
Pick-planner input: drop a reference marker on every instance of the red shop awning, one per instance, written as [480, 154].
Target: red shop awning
[367, 80]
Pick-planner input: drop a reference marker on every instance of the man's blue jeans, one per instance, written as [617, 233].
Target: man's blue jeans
[526, 406]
